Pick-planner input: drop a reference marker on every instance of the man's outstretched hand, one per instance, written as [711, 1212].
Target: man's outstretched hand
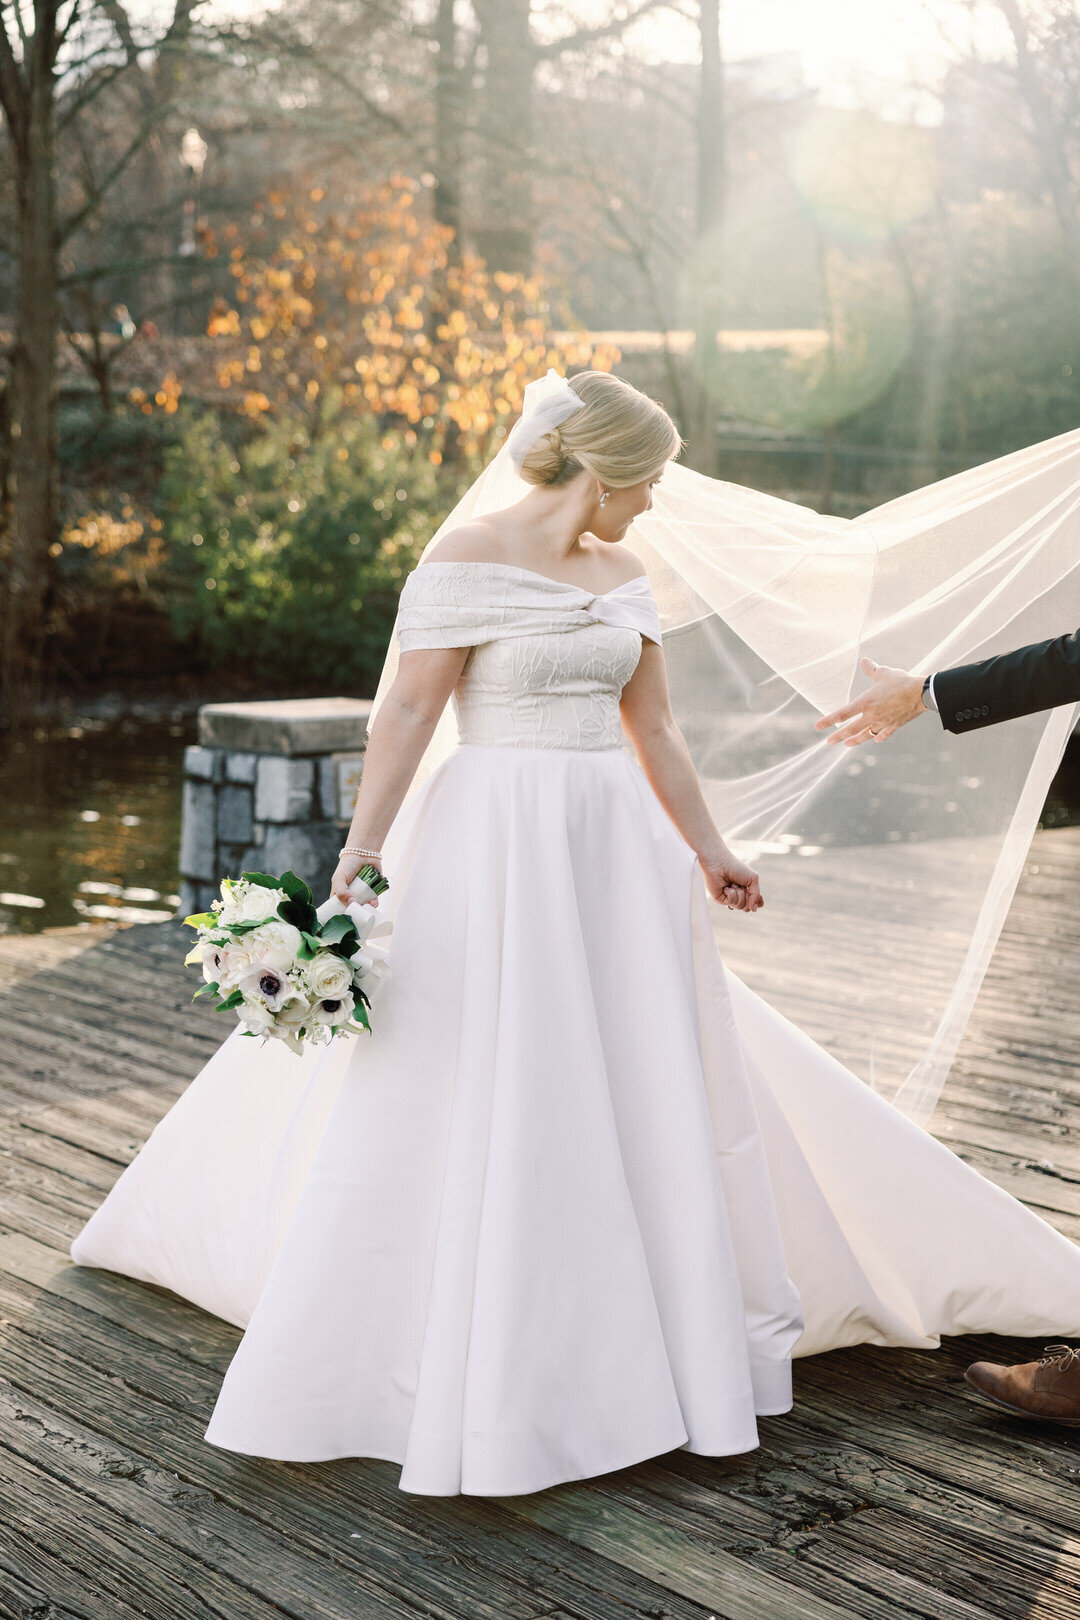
[893, 700]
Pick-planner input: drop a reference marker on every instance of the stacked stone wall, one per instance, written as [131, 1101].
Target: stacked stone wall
[268, 788]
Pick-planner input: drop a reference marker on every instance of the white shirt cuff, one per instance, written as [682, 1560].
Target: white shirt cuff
[931, 700]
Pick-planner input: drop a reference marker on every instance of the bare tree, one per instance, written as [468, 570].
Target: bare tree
[710, 213]
[1053, 125]
[30, 45]
[57, 57]
[451, 86]
[504, 233]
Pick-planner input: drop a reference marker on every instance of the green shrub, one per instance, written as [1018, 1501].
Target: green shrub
[288, 542]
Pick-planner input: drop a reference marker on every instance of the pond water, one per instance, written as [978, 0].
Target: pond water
[90, 820]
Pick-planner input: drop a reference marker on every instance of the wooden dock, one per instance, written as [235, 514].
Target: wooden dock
[889, 1494]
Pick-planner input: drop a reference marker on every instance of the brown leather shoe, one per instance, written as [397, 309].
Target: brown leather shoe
[1048, 1388]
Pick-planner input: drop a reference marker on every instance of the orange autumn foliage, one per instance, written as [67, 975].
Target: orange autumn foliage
[364, 303]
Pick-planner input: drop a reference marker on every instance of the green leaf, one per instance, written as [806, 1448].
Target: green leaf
[231, 1001]
[207, 990]
[336, 928]
[301, 913]
[360, 1017]
[296, 888]
[201, 919]
[262, 880]
[340, 936]
[308, 948]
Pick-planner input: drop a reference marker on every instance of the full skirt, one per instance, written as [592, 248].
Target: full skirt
[581, 1194]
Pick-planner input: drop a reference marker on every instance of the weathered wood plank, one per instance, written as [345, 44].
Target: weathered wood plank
[19, 1140]
[36, 1585]
[669, 1555]
[108, 1141]
[48, 1185]
[827, 1478]
[200, 1530]
[153, 1313]
[128, 1563]
[873, 1586]
[356, 1504]
[43, 1221]
[989, 1584]
[1020, 1465]
[24, 956]
[869, 1501]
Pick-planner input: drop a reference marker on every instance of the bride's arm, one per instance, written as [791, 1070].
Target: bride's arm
[665, 759]
[399, 734]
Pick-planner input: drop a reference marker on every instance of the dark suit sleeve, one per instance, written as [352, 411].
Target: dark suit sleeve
[1041, 676]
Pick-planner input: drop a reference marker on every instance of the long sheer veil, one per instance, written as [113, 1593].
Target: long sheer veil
[888, 870]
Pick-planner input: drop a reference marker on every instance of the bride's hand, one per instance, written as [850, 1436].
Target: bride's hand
[345, 871]
[731, 882]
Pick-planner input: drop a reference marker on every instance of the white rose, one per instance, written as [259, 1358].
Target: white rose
[275, 945]
[238, 960]
[328, 975]
[255, 904]
[275, 939]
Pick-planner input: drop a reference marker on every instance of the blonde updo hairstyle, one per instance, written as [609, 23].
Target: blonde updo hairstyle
[620, 435]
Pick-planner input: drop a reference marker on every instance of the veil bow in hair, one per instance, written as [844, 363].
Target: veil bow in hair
[888, 871]
[540, 414]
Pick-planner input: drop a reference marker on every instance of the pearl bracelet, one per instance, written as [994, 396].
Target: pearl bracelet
[354, 849]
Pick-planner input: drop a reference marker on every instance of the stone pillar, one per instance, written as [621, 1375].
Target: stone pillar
[269, 787]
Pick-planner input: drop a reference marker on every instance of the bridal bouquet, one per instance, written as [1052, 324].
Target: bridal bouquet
[289, 971]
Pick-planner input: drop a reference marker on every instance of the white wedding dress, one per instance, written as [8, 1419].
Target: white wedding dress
[581, 1195]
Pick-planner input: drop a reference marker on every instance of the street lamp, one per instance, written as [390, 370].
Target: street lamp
[193, 150]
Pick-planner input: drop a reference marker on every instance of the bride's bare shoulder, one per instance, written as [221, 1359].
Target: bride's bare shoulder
[476, 541]
[630, 567]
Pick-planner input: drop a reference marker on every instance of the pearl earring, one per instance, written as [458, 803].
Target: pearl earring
[604, 496]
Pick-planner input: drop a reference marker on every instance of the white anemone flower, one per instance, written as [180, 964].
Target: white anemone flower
[215, 962]
[332, 1010]
[262, 982]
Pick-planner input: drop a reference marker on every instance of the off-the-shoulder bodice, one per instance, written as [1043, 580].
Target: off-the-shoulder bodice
[548, 659]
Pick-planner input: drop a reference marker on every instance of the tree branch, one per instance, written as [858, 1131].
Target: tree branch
[62, 33]
[21, 26]
[89, 92]
[71, 225]
[13, 89]
[581, 38]
[116, 14]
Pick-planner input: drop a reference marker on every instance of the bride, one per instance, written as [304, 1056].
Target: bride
[581, 1195]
